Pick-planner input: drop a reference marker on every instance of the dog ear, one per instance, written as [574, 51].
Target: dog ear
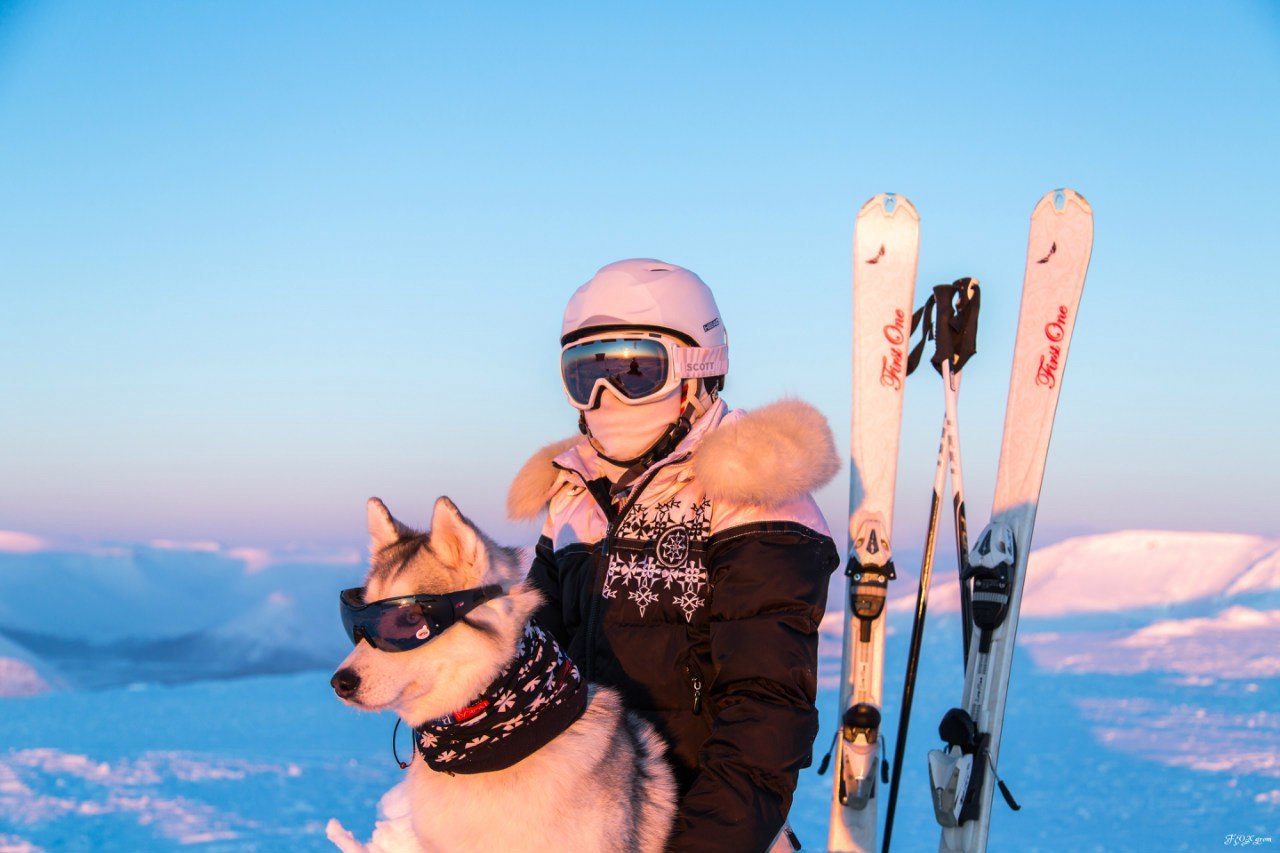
[382, 527]
[455, 541]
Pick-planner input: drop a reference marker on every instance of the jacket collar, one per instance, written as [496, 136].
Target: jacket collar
[767, 457]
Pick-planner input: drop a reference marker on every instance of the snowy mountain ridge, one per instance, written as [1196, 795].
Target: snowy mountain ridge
[1122, 571]
[163, 611]
[170, 611]
[1127, 570]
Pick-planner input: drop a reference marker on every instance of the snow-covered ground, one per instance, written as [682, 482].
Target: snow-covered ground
[169, 696]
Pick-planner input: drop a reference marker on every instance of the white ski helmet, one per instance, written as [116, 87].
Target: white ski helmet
[660, 301]
[643, 293]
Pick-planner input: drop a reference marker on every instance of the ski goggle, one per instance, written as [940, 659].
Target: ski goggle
[402, 624]
[637, 368]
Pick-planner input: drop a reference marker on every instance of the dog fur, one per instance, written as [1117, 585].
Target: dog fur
[601, 785]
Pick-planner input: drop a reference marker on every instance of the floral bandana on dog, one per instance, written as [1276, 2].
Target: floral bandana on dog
[535, 698]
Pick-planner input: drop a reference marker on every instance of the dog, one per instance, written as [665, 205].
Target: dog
[483, 690]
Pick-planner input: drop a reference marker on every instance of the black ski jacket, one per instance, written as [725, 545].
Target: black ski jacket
[698, 596]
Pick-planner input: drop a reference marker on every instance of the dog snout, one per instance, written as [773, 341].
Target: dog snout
[346, 682]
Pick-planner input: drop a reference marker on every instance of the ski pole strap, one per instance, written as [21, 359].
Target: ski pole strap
[922, 319]
[949, 317]
[956, 325]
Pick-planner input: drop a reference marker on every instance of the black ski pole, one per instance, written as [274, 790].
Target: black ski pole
[964, 343]
[955, 331]
[917, 631]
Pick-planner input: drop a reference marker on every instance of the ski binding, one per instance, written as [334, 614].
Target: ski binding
[949, 774]
[858, 760]
[869, 579]
[991, 567]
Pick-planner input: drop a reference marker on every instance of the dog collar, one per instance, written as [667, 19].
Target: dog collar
[538, 695]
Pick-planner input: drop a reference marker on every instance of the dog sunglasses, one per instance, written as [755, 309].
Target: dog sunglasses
[637, 368]
[404, 623]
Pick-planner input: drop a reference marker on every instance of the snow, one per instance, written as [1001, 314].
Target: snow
[202, 546]
[254, 559]
[1113, 572]
[1142, 656]
[1124, 571]
[21, 672]
[1243, 743]
[19, 679]
[12, 542]
[1238, 642]
[266, 762]
[178, 612]
[1262, 575]
[14, 844]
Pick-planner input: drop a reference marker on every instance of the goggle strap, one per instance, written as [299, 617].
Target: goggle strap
[468, 600]
[699, 362]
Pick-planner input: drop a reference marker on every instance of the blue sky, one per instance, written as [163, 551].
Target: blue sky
[261, 261]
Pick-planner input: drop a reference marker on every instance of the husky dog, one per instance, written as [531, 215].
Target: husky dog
[587, 775]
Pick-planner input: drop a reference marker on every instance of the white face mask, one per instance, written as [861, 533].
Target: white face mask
[625, 432]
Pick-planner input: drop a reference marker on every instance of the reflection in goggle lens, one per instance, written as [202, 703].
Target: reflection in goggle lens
[635, 368]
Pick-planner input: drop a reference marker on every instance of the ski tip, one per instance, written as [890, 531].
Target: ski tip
[889, 205]
[1062, 201]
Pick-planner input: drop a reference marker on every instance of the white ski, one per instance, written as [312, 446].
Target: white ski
[885, 248]
[963, 775]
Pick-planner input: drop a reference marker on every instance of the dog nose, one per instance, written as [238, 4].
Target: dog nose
[345, 682]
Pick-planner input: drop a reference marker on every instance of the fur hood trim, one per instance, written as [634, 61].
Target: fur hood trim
[536, 482]
[769, 456]
[766, 457]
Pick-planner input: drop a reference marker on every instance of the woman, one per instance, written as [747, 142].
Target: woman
[683, 559]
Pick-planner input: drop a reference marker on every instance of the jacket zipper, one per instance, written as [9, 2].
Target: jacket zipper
[696, 681]
[597, 580]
